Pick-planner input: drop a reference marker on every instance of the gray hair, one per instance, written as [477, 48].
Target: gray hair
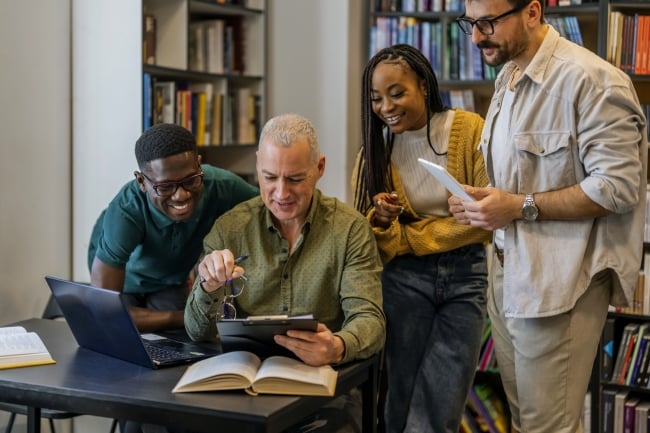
[287, 128]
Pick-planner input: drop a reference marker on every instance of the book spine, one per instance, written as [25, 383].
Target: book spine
[149, 39]
[607, 349]
[607, 417]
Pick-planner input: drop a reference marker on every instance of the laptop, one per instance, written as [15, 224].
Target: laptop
[100, 321]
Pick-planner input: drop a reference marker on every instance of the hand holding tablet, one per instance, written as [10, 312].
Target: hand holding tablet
[440, 173]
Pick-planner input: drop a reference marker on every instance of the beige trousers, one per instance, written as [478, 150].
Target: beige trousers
[545, 363]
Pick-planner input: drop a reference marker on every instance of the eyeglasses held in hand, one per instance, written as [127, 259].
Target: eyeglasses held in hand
[233, 288]
[168, 189]
[484, 25]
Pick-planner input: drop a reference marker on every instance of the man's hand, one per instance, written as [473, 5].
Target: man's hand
[314, 348]
[492, 209]
[217, 268]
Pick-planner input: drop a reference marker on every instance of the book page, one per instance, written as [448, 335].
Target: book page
[19, 348]
[232, 370]
[21, 344]
[6, 330]
[278, 372]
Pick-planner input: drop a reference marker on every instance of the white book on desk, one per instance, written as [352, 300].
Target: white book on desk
[19, 348]
[244, 370]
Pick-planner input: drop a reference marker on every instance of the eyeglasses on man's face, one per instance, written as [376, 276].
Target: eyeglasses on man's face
[484, 25]
[167, 189]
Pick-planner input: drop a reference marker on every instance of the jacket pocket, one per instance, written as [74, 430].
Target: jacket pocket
[545, 161]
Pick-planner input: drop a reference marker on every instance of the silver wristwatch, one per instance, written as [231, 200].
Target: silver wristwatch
[529, 210]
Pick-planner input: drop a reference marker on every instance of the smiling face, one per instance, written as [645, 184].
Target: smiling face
[176, 168]
[287, 177]
[398, 96]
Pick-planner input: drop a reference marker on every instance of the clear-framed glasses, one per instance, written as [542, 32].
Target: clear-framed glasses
[232, 288]
[167, 189]
[484, 25]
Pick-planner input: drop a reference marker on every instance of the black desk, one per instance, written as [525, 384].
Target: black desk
[86, 382]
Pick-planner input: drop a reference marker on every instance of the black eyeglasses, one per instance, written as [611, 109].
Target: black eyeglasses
[484, 25]
[168, 189]
[233, 288]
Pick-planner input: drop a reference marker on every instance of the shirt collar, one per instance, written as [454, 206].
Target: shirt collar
[542, 58]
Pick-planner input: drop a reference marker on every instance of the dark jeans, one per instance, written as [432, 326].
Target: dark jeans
[435, 310]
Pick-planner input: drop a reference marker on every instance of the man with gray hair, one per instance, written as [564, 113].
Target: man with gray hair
[307, 254]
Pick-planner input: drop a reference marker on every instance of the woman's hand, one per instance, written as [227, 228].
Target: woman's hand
[388, 208]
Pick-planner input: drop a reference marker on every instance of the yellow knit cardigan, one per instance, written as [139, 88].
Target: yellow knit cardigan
[433, 234]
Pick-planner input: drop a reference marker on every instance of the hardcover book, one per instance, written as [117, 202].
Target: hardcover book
[607, 348]
[245, 370]
[628, 332]
[19, 348]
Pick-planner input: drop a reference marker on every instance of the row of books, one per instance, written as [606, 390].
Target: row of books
[216, 46]
[623, 412]
[215, 117]
[561, 3]
[459, 98]
[487, 360]
[485, 411]
[567, 26]
[410, 6]
[632, 357]
[459, 59]
[417, 5]
[628, 44]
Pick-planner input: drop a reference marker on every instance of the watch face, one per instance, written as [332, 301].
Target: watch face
[529, 212]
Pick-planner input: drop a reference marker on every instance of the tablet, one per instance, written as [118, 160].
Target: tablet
[440, 173]
[262, 328]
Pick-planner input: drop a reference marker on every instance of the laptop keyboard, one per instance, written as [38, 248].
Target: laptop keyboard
[163, 354]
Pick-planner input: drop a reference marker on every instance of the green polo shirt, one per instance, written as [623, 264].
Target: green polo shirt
[333, 273]
[155, 251]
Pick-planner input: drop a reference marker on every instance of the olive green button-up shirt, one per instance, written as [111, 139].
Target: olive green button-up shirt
[333, 273]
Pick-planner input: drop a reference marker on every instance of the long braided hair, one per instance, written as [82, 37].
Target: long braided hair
[373, 175]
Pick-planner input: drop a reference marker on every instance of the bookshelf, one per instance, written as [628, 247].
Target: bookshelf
[108, 92]
[620, 377]
[616, 398]
[429, 25]
[203, 67]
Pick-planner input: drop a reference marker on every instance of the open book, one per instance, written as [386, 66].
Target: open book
[19, 348]
[245, 370]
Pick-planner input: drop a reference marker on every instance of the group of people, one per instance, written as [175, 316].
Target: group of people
[557, 170]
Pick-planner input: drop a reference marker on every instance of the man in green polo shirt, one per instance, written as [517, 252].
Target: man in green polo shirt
[148, 239]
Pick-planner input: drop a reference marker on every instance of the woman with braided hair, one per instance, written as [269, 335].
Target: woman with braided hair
[435, 272]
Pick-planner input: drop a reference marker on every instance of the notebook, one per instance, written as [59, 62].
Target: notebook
[100, 321]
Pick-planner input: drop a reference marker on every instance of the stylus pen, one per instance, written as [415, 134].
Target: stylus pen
[241, 258]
